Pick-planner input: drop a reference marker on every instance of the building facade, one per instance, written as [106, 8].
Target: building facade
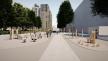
[46, 17]
[84, 18]
[36, 9]
[45, 14]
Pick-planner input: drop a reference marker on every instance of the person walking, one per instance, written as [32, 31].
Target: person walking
[50, 32]
[47, 33]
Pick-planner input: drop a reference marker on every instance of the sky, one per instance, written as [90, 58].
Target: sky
[53, 4]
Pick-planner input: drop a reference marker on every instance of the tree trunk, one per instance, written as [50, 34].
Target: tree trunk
[11, 33]
[30, 31]
[17, 33]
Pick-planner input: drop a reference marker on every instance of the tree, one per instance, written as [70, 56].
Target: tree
[31, 17]
[18, 18]
[100, 7]
[5, 12]
[19, 13]
[33, 20]
[27, 22]
[38, 22]
[65, 14]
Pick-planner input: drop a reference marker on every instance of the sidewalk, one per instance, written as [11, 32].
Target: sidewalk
[59, 50]
[81, 41]
[14, 50]
[5, 43]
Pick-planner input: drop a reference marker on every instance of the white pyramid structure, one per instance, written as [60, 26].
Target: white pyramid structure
[84, 17]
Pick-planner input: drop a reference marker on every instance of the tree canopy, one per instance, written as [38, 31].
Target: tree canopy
[38, 22]
[100, 7]
[5, 12]
[65, 14]
[17, 16]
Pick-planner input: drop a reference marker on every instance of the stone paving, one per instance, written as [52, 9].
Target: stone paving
[59, 50]
[54, 48]
[82, 42]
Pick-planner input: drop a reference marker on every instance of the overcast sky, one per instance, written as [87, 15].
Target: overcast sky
[53, 4]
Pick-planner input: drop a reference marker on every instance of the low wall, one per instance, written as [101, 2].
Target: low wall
[103, 30]
[103, 38]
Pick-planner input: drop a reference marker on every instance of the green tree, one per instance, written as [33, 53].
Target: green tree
[26, 22]
[35, 21]
[31, 18]
[19, 13]
[5, 12]
[65, 15]
[17, 17]
[100, 7]
[38, 22]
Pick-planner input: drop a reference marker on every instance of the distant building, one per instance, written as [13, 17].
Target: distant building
[45, 14]
[84, 19]
[36, 9]
[46, 17]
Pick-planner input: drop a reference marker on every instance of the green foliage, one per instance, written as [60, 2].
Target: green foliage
[5, 12]
[31, 17]
[19, 13]
[17, 16]
[35, 21]
[65, 14]
[26, 17]
[38, 22]
[2, 32]
[100, 7]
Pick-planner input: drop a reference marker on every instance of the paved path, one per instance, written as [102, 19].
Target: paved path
[14, 50]
[86, 54]
[59, 50]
